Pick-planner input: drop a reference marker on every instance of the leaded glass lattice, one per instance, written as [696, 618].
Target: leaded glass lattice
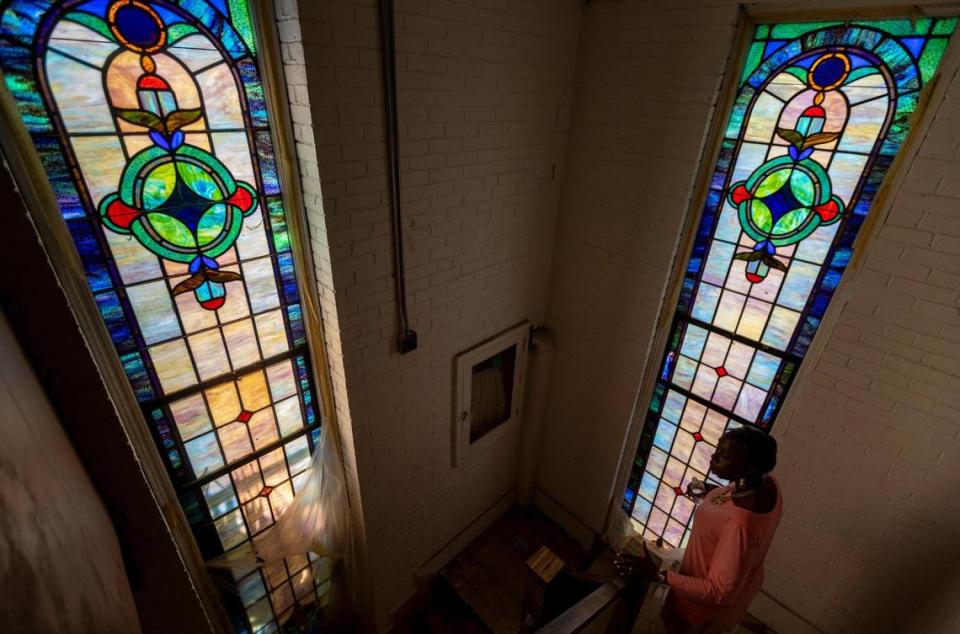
[150, 120]
[821, 111]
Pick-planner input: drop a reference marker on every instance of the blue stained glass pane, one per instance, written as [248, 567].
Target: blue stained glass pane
[664, 437]
[61, 182]
[194, 509]
[648, 487]
[251, 589]
[641, 511]
[772, 47]
[166, 436]
[315, 437]
[693, 341]
[285, 262]
[296, 325]
[256, 104]
[302, 373]
[686, 294]
[98, 278]
[673, 407]
[914, 45]
[25, 90]
[96, 7]
[763, 370]
[268, 164]
[707, 298]
[137, 374]
[204, 454]
[113, 315]
[220, 496]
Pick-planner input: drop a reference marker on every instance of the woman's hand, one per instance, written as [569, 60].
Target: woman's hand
[694, 494]
[631, 567]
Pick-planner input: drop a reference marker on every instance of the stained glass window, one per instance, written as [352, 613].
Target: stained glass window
[821, 110]
[150, 120]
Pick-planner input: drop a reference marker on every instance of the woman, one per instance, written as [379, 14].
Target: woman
[722, 567]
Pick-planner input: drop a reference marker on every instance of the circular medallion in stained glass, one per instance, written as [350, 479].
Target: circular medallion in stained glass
[137, 26]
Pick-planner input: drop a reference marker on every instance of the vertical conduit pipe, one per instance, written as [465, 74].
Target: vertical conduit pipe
[539, 373]
[407, 338]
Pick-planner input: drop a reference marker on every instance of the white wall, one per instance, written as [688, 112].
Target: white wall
[60, 565]
[870, 443]
[484, 89]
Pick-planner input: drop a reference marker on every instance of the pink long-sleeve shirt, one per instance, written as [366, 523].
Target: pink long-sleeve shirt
[722, 569]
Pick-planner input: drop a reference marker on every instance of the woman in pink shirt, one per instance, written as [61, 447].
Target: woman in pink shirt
[733, 527]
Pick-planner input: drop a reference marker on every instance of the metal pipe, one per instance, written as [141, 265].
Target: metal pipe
[406, 339]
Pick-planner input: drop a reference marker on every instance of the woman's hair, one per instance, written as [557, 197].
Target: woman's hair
[760, 446]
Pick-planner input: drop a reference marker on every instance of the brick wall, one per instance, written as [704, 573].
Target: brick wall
[869, 439]
[484, 90]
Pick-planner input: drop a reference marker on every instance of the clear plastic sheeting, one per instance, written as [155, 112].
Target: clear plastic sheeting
[316, 521]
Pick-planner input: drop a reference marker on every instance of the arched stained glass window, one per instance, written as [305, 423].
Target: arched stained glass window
[822, 110]
[150, 120]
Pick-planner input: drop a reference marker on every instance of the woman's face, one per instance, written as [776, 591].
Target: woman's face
[729, 461]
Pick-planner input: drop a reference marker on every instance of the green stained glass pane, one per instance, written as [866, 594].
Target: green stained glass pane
[199, 180]
[278, 224]
[176, 32]
[159, 185]
[762, 217]
[240, 16]
[171, 230]
[802, 187]
[211, 224]
[91, 21]
[763, 31]
[791, 221]
[754, 57]
[944, 26]
[796, 29]
[930, 59]
[903, 26]
[773, 182]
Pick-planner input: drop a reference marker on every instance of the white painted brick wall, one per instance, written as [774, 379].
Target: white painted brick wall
[483, 90]
[870, 452]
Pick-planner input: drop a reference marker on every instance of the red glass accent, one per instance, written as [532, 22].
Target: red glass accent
[814, 111]
[754, 278]
[698, 436]
[213, 304]
[244, 415]
[265, 491]
[678, 490]
[241, 198]
[721, 371]
[827, 211]
[121, 214]
[740, 194]
[152, 82]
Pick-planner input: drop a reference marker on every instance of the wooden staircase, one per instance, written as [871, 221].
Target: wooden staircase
[482, 589]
